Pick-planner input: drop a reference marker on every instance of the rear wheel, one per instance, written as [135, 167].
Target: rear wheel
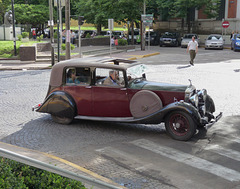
[180, 126]
[62, 120]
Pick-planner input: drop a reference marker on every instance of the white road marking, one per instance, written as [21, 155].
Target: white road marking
[224, 152]
[193, 161]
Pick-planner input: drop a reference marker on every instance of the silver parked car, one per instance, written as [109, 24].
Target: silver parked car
[188, 37]
[214, 41]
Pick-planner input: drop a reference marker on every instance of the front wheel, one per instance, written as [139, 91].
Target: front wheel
[180, 126]
[62, 120]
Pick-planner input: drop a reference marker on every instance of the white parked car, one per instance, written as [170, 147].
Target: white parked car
[188, 37]
[214, 41]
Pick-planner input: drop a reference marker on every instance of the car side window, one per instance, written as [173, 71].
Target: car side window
[109, 77]
[78, 76]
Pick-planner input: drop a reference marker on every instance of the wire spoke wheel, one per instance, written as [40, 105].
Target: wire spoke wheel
[180, 126]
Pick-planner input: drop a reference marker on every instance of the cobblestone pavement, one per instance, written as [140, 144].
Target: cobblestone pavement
[79, 142]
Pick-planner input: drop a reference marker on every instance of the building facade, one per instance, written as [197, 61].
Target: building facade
[229, 10]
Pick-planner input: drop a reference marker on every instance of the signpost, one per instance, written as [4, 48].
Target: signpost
[80, 22]
[147, 20]
[225, 25]
[110, 27]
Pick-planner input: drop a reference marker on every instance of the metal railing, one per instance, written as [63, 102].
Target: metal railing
[41, 165]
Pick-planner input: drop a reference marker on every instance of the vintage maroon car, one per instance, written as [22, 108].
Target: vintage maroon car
[103, 89]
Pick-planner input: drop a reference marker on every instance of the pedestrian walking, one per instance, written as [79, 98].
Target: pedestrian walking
[192, 49]
[113, 41]
[34, 34]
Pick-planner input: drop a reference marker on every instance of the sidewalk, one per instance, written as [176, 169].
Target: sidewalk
[31, 65]
[57, 165]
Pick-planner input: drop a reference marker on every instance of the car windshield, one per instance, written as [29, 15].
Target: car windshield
[116, 33]
[135, 33]
[215, 37]
[189, 36]
[152, 34]
[136, 71]
[238, 37]
[169, 35]
[103, 33]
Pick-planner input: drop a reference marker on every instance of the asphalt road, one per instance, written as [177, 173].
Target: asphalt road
[177, 55]
[136, 156]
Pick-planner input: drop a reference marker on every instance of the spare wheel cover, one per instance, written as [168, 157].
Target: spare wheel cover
[144, 103]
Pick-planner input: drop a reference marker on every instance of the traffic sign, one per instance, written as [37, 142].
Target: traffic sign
[225, 24]
[147, 19]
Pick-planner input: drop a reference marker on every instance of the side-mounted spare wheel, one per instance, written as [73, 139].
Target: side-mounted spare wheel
[180, 126]
[144, 103]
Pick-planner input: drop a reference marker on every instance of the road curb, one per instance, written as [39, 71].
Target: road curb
[143, 56]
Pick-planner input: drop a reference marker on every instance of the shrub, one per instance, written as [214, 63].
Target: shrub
[88, 35]
[64, 46]
[19, 37]
[122, 42]
[25, 34]
[40, 38]
[18, 175]
[55, 35]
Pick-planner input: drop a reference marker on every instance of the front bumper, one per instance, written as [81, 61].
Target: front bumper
[211, 123]
[213, 46]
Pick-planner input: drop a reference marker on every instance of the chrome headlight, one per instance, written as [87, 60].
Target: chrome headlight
[189, 92]
[238, 43]
[203, 94]
[194, 100]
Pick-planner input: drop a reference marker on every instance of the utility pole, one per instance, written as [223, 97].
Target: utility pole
[51, 20]
[14, 33]
[68, 33]
[58, 34]
[143, 28]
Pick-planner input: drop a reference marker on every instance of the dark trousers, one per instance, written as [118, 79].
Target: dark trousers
[192, 55]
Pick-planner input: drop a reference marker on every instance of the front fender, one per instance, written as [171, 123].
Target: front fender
[60, 104]
[160, 115]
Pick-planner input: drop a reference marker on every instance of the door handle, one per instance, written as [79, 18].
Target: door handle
[123, 89]
[88, 87]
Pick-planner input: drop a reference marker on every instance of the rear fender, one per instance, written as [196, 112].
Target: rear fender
[60, 104]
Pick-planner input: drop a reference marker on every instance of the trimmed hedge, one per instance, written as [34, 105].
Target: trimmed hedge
[18, 175]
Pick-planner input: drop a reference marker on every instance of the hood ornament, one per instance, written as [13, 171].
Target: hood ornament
[190, 82]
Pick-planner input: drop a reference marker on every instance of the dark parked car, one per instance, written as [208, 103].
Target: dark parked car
[170, 39]
[154, 38]
[90, 32]
[117, 34]
[83, 89]
[235, 42]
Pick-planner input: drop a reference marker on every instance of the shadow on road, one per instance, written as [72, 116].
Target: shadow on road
[182, 67]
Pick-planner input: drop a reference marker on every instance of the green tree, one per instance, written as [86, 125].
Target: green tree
[4, 4]
[92, 10]
[36, 15]
[99, 11]
[182, 8]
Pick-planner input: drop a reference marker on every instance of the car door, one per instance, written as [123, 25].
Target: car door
[79, 87]
[110, 99]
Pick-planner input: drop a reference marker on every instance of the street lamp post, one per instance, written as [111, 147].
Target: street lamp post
[14, 33]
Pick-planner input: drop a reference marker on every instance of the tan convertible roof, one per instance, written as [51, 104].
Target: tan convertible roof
[57, 70]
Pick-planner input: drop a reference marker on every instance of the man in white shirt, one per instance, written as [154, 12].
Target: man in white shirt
[192, 49]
